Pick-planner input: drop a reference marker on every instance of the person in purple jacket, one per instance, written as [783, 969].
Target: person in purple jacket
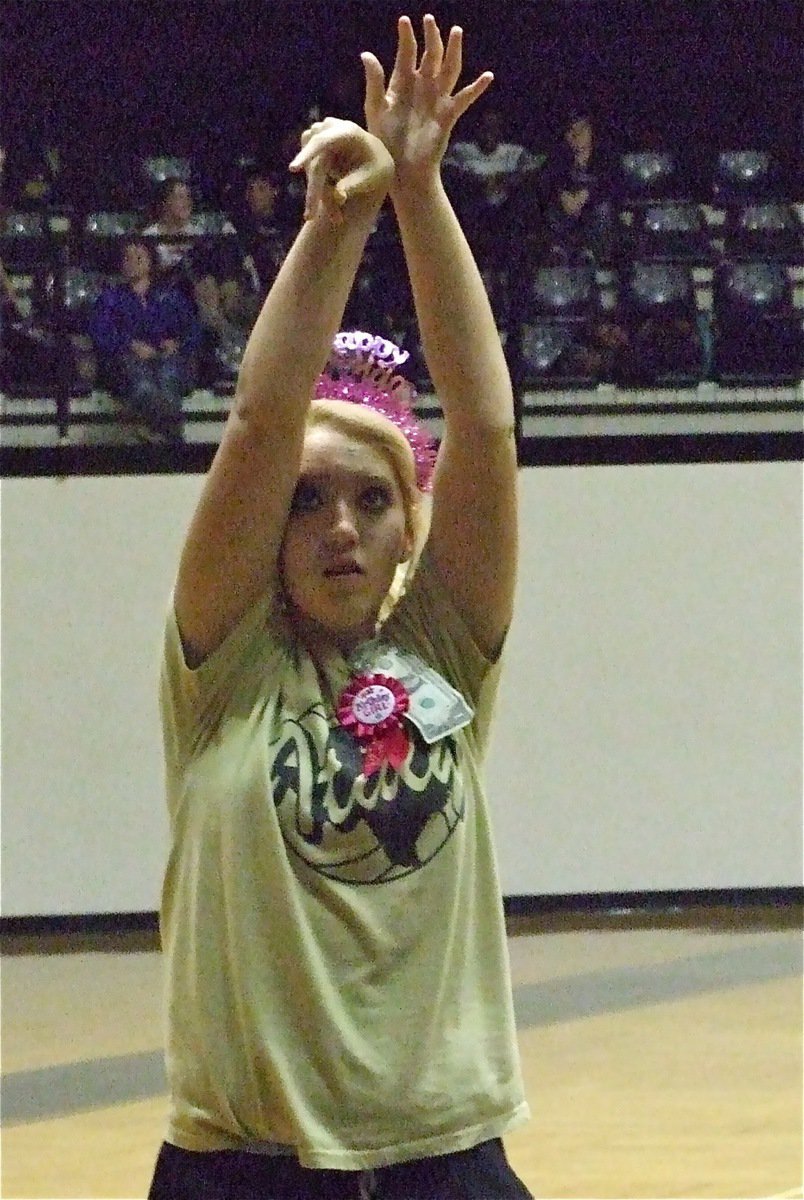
[146, 334]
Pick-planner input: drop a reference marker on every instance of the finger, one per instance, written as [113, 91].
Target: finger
[327, 135]
[314, 142]
[310, 132]
[466, 97]
[333, 205]
[433, 47]
[302, 156]
[453, 58]
[375, 84]
[360, 179]
[316, 187]
[406, 53]
[313, 131]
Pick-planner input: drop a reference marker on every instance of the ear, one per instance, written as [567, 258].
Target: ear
[406, 547]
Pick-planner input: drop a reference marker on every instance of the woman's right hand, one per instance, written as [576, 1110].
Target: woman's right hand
[343, 162]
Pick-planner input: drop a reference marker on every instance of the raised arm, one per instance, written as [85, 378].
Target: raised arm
[230, 554]
[473, 537]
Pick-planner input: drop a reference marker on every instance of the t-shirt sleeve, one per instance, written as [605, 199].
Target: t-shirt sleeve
[193, 702]
[427, 621]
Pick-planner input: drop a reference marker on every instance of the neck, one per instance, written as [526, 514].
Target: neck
[324, 644]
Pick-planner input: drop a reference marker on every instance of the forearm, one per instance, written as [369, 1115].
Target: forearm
[459, 336]
[293, 333]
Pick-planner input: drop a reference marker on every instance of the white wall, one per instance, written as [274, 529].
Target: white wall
[649, 733]
[650, 730]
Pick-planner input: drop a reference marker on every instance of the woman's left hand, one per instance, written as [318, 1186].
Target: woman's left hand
[415, 114]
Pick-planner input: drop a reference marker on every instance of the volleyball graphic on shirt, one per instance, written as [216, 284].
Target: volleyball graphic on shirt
[354, 827]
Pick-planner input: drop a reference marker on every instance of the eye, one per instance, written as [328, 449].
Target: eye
[306, 498]
[376, 498]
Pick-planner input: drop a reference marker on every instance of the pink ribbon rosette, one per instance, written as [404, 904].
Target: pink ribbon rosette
[371, 708]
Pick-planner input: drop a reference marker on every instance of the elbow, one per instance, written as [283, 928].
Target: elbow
[258, 411]
[248, 405]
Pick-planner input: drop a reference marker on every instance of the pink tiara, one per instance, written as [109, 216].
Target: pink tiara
[361, 369]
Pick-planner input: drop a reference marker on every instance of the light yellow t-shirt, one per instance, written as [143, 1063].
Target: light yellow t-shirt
[335, 948]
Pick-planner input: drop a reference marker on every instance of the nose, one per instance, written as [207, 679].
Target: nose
[343, 528]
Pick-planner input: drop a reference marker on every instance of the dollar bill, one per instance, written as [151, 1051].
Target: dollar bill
[435, 707]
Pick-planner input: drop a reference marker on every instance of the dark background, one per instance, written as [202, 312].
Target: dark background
[217, 79]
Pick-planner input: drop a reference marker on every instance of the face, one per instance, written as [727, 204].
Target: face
[579, 135]
[178, 203]
[345, 536]
[261, 194]
[136, 262]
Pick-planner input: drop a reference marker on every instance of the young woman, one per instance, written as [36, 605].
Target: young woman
[340, 1019]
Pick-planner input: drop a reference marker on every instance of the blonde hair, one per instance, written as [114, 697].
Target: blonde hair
[365, 425]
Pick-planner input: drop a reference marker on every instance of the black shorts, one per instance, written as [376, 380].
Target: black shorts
[482, 1173]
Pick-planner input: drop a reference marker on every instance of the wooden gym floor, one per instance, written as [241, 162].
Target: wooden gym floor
[662, 1058]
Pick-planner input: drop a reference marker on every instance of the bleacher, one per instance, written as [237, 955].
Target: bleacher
[731, 265]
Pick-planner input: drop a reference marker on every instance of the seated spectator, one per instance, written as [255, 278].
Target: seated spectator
[494, 165]
[37, 174]
[663, 349]
[603, 350]
[176, 228]
[207, 271]
[263, 239]
[27, 356]
[577, 191]
[497, 199]
[492, 173]
[146, 335]
[632, 349]
[291, 194]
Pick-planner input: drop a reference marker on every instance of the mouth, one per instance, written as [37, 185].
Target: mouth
[343, 571]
